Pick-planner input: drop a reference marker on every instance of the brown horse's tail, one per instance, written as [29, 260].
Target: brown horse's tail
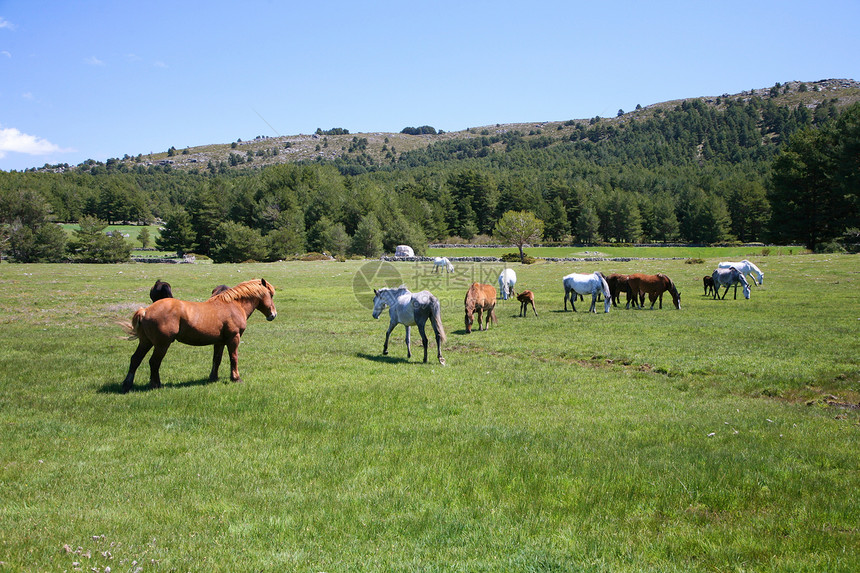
[131, 328]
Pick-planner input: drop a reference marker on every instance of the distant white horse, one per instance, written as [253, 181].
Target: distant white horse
[440, 262]
[410, 309]
[586, 284]
[729, 277]
[746, 268]
[507, 280]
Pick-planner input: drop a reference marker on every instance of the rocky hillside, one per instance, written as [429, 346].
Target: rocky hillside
[384, 148]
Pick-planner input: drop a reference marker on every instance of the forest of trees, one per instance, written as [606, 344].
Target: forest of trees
[741, 170]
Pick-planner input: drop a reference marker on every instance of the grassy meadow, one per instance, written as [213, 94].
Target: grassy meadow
[721, 437]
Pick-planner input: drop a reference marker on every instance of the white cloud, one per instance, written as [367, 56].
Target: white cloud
[6, 24]
[28, 96]
[160, 64]
[7, 54]
[94, 61]
[13, 140]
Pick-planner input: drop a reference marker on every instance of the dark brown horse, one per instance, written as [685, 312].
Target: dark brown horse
[526, 298]
[160, 290]
[708, 282]
[617, 285]
[480, 298]
[654, 286]
[219, 321]
[219, 289]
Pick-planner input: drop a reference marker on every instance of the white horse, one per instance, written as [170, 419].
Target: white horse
[440, 262]
[728, 277]
[507, 280]
[746, 268]
[586, 284]
[410, 309]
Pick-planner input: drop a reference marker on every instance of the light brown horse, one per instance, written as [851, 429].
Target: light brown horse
[479, 299]
[654, 286]
[219, 321]
[526, 298]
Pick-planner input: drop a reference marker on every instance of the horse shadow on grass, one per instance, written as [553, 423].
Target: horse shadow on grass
[384, 359]
[116, 387]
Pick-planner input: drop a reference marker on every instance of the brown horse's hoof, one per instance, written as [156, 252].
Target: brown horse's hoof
[236, 380]
[442, 361]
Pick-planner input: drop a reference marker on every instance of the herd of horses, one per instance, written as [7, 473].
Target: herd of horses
[221, 320]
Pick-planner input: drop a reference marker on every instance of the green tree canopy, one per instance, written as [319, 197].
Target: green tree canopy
[518, 228]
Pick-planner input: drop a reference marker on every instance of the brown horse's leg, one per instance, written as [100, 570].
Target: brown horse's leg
[216, 362]
[480, 312]
[233, 349]
[143, 347]
[155, 364]
[533, 308]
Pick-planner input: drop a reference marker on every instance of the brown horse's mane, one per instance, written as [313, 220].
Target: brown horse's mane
[254, 288]
[672, 290]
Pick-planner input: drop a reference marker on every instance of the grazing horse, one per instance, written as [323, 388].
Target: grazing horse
[617, 285]
[219, 321]
[160, 290]
[440, 262]
[480, 298]
[746, 268]
[708, 282]
[409, 309]
[729, 277]
[654, 286]
[507, 280]
[526, 298]
[219, 289]
[586, 284]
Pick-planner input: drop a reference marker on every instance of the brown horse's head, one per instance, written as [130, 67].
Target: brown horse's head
[470, 310]
[676, 294]
[266, 304]
[257, 291]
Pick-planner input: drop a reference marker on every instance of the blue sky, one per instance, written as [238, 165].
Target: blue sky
[81, 80]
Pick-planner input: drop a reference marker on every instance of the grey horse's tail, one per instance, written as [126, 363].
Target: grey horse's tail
[436, 316]
[605, 286]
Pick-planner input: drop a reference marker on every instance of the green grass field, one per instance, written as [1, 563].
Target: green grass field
[721, 437]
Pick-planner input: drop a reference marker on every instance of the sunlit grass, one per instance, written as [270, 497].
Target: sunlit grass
[637, 440]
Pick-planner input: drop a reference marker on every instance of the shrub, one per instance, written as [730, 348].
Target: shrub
[515, 258]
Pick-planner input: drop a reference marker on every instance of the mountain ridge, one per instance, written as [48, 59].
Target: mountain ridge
[381, 148]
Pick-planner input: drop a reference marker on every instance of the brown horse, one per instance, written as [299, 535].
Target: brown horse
[526, 298]
[160, 290]
[617, 285]
[654, 286]
[219, 321]
[479, 299]
[708, 282]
